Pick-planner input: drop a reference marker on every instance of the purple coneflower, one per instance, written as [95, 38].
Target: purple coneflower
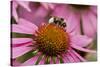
[48, 44]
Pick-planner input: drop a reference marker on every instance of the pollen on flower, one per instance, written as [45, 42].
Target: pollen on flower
[52, 40]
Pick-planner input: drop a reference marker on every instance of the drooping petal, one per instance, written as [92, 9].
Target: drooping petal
[14, 11]
[24, 4]
[25, 14]
[81, 58]
[87, 25]
[21, 29]
[51, 60]
[31, 61]
[18, 51]
[65, 59]
[54, 60]
[28, 24]
[64, 13]
[45, 5]
[83, 49]
[15, 63]
[93, 20]
[75, 58]
[80, 40]
[94, 9]
[52, 6]
[48, 6]
[57, 60]
[42, 61]
[73, 23]
[40, 16]
[71, 60]
[36, 16]
[20, 41]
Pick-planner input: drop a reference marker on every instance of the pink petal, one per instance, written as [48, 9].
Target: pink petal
[83, 49]
[14, 4]
[25, 14]
[18, 51]
[24, 4]
[74, 57]
[57, 60]
[30, 61]
[52, 6]
[87, 25]
[40, 16]
[48, 6]
[45, 5]
[51, 60]
[42, 60]
[28, 24]
[21, 29]
[80, 40]
[64, 12]
[36, 16]
[17, 41]
[73, 23]
[15, 63]
[65, 59]
[81, 58]
[94, 9]
[41, 12]
[14, 11]
[71, 60]
[93, 20]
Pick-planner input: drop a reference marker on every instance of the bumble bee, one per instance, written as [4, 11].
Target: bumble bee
[58, 21]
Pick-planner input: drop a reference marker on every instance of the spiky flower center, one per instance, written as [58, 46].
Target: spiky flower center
[52, 40]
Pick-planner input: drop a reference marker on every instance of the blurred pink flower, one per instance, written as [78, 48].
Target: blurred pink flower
[30, 10]
[84, 16]
[39, 11]
[22, 46]
[15, 4]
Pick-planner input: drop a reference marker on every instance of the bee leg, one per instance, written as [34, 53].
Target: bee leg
[63, 25]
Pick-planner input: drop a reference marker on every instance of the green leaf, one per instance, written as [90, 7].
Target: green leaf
[26, 56]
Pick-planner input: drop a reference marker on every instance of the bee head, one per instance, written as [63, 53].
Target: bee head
[58, 21]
